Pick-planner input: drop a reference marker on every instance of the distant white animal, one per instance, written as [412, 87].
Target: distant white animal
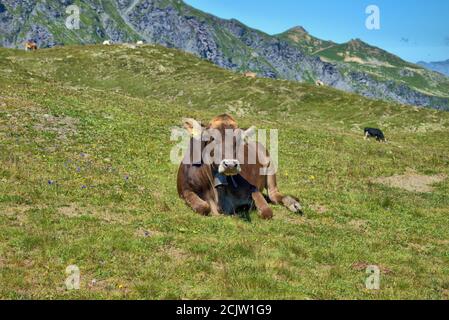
[129, 45]
[139, 43]
[107, 42]
[250, 74]
[319, 83]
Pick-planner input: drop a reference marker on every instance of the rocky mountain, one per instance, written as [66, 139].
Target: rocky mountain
[357, 56]
[294, 55]
[440, 66]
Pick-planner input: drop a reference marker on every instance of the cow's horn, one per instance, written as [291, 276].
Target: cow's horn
[249, 133]
[192, 126]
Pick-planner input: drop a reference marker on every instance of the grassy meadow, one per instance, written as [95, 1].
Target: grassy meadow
[86, 180]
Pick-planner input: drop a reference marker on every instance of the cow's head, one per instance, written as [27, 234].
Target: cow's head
[219, 145]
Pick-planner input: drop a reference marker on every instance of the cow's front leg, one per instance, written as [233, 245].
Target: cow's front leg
[262, 205]
[367, 136]
[196, 203]
[276, 197]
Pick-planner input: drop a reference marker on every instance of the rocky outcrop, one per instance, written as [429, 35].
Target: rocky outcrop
[391, 90]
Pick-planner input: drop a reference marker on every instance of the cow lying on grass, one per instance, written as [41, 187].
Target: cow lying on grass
[209, 182]
[374, 133]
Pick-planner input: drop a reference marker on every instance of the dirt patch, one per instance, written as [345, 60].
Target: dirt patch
[445, 293]
[106, 214]
[19, 213]
[70, 211]
[419, 247]
[428, 127]
[442, 242]
[177, 255]
[62, 126]
[411, 181]
[359, 225]
[354, 59]
[146, 233]
[319, 208]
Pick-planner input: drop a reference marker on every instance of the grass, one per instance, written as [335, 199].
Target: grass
[85, 179]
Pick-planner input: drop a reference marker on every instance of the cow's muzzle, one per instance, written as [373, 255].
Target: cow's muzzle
[229, 167]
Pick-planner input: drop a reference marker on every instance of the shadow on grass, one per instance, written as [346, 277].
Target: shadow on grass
[244, 213]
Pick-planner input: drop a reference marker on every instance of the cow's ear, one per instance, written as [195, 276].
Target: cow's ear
[193, 127]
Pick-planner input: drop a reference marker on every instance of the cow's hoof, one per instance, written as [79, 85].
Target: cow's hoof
[267, 214]
[293, 205]
[296, 208]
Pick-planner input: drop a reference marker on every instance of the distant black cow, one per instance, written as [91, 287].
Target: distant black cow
[374, 133]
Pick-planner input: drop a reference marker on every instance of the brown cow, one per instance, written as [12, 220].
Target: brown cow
[30, 45]
[228, 184]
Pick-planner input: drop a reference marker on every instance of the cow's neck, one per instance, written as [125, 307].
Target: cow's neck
[222, 180]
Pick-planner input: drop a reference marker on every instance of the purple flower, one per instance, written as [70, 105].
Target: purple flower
[51, 182]
[83, 187]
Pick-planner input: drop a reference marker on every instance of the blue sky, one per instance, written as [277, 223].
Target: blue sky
[412, 29]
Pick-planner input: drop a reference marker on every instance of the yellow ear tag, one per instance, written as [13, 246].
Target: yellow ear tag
[196, 133]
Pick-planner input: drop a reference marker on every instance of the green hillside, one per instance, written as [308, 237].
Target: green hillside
[86, 180]
[359, 56]
[368, 54]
